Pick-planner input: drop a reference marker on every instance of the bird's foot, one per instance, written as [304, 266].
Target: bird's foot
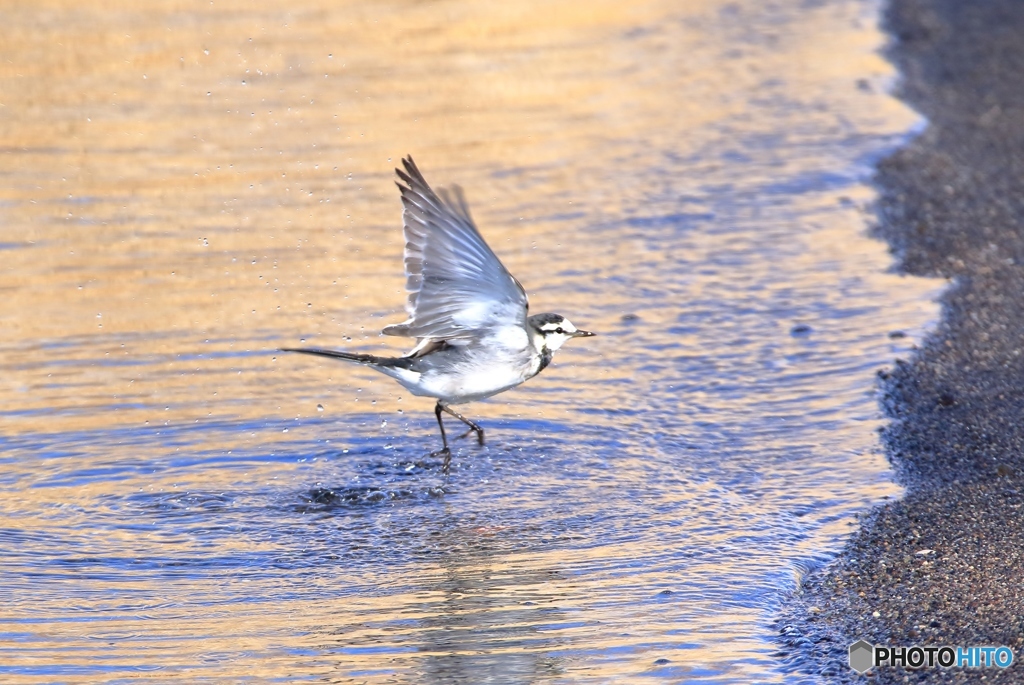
[447, 454]
[479, 434]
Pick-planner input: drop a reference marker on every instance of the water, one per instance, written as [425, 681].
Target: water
[188, 187]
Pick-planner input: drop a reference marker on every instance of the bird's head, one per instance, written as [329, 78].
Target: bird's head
[552, 330]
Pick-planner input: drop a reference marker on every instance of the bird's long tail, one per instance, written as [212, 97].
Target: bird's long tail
[400, 362]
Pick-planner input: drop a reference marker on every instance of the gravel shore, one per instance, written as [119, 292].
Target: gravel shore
[944, 565]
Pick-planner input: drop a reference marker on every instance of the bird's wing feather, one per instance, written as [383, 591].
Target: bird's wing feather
[458, 288]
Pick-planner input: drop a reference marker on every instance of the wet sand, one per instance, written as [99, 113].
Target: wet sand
[944, 565]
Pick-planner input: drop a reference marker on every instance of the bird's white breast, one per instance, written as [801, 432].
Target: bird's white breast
[474, 383]
[512, 338]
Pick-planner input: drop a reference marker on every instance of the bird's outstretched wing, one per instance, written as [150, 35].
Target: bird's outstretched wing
[458, 288]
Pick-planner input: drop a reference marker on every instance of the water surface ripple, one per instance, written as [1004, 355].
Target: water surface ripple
[187, 187]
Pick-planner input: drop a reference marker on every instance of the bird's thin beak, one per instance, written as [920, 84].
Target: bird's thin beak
[582, 334]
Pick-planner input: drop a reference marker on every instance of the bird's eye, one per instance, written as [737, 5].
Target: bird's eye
[559, 330]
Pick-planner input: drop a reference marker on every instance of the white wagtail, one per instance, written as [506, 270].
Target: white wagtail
[469, 315]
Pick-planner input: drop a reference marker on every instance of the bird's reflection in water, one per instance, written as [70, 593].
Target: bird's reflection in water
[484, 614]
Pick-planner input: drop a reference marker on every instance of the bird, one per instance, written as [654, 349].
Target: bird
[469, 315]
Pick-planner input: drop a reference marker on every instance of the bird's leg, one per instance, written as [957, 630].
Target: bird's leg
[473, 428]
[447, 453]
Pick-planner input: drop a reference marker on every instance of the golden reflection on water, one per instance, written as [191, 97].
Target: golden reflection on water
[197, 172]
[190, 185]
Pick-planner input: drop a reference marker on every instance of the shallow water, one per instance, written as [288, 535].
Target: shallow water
[188, 187]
